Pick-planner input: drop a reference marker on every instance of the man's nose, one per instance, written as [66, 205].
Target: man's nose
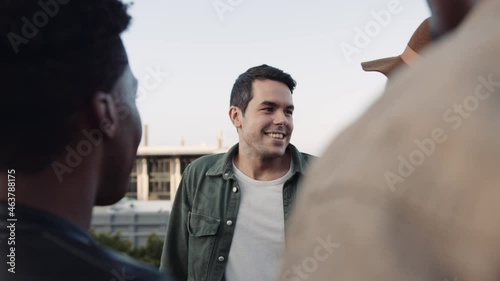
[280, 118]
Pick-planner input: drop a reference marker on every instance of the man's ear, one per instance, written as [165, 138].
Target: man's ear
[235, 114]
[105, 113]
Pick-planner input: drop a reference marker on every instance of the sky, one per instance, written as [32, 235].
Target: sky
[187, 54]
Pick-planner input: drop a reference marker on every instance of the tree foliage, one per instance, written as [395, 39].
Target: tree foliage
[150, 253]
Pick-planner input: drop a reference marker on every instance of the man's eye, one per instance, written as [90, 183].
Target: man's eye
[289, 112]
[268, 109]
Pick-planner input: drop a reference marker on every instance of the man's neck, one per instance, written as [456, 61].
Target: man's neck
[262, 169]
[71, 199]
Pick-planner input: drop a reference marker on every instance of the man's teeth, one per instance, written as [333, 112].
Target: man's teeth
[276, 136]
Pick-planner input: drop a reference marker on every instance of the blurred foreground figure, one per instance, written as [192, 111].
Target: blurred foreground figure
[70, 131]
[410, 191]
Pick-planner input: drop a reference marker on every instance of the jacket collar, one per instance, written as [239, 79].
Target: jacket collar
[224, 166]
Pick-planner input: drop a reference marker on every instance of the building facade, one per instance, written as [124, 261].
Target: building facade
[158, 170]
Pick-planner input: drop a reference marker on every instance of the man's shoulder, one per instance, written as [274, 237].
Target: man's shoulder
[301, 159]
[74, 257]
[208, 159]
[305, 161]
[129, 267]
[204, 163]
[308, 157]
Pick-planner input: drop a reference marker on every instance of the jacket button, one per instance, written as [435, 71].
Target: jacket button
[226, 175]
[235, 189]
[221, 259]
[229, 222]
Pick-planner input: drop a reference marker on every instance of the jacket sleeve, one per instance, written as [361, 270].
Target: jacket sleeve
[174, 257]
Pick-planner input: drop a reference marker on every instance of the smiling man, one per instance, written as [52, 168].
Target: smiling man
[229, 217]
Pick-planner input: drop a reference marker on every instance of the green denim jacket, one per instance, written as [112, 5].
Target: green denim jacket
[205, 212]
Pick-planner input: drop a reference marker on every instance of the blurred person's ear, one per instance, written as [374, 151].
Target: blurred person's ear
[105, 113]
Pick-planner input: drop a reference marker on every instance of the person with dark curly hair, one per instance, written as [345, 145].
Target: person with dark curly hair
[70, 132]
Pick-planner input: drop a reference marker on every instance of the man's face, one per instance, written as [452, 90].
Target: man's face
[267, 125]
[121, 151]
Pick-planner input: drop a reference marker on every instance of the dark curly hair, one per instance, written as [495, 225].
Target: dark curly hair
[54, 55]
[241, 94]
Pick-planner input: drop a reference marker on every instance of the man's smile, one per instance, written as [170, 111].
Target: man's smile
[274, 135]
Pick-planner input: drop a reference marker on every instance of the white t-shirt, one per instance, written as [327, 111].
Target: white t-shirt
[258, 244]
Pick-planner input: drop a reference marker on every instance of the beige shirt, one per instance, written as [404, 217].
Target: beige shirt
[411, 191]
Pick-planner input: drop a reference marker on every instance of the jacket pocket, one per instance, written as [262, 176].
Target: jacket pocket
[202, 237]
[201, 225]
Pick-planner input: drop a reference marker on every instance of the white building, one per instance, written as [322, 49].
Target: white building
[153, 182]
[158, 169]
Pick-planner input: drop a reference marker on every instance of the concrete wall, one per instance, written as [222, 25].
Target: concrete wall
[134, 226]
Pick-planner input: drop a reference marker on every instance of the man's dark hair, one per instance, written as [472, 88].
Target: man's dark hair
[241, 94]
[54, 55]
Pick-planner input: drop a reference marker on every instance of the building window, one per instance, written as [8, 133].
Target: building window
[159, 178]
[132, 186]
